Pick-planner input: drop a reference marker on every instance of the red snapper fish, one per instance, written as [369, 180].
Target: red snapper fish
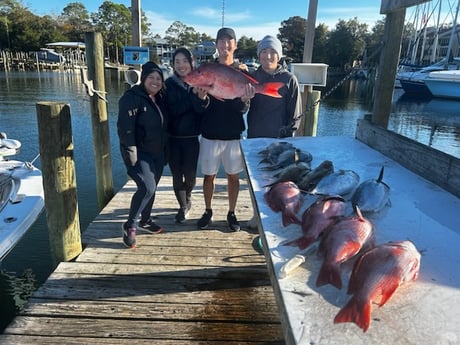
[376, 275]
[315, 219]
[285, 197]
[342, 241]
[225, 82]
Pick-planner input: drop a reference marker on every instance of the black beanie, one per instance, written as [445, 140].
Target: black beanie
[148, 68]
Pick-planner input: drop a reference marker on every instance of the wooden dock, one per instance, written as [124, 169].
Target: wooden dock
[184, 286]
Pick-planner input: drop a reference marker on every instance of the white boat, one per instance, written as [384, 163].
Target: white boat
[413, 82]
[21, 195]
[444, 84]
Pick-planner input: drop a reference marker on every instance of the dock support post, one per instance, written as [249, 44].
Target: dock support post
[384, 86]
[59, 179]
[311, 107]
[99, 118]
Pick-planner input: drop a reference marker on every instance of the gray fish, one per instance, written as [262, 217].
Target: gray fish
[340, 182]
[309, 181]
[277, 146]
[372, 195]
[288, 157]
[292, 173]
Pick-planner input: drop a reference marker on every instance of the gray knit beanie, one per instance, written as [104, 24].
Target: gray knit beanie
[270, 42]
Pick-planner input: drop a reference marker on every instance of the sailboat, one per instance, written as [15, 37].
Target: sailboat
[413, 82]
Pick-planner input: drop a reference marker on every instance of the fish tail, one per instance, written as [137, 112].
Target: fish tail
[269, 89]
[329, 274]
[356, 312]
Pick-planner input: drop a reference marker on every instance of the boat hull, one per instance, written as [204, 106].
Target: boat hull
[445, 84]
[25, 202]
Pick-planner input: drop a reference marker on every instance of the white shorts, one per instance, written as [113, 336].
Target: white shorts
[213, 152]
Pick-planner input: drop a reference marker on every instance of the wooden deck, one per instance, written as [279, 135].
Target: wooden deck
[184, 286]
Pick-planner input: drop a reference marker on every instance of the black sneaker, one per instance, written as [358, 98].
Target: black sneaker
[150, 226]
[205, 219]
[180, 216]
[233, 222]
[129, 235]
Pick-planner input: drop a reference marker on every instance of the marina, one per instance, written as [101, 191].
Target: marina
[191, 286]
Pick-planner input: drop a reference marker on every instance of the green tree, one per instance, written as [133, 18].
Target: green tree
[114, 23]
[292, 37]
[320, 43]
[247, 48]
[75, 21]
[346, 43]
[180, 34]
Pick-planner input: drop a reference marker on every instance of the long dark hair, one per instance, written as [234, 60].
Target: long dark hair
[187, 53]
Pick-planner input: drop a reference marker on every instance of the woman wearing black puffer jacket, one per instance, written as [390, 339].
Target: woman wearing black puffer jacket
[185, 105]
[142, 130]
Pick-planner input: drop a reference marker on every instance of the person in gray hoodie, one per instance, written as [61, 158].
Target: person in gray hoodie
[271, 117]
[268, 116]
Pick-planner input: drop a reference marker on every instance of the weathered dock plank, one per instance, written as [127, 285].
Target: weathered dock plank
[184, 286]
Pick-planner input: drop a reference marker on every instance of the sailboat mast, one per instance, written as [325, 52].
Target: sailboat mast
[452, 35]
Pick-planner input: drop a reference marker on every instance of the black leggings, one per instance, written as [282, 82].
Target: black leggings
[183, 162]
[146, 174]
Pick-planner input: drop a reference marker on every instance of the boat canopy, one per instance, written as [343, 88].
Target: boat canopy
[73, 45]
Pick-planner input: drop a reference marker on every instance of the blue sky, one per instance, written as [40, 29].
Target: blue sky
[255, 18]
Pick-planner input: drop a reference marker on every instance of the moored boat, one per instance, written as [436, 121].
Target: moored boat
[21, 195]
[444, 84]
[413, 82]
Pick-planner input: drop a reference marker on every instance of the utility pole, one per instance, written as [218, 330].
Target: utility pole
[136, 23]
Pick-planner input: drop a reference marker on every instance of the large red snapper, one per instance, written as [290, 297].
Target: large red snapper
[225, 82]
[342, 241]
[285, 197]
[375, 277]
[315, 219]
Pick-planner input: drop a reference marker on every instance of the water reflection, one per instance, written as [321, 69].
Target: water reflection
[433, 122]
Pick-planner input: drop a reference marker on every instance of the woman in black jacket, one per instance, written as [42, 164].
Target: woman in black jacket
[184, 105]
[142, 124]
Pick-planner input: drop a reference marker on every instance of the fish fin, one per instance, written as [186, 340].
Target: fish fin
[329, 274]
[387, 293]
[359, 313]
[300, 242]
[269, 89]
[290, 218]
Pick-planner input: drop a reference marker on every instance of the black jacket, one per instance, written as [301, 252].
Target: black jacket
[141, 125]
[184, 108]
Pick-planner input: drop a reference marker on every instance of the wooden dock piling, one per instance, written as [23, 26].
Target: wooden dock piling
[59, 179]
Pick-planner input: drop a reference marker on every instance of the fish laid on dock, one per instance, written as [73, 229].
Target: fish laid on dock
[285, 197]
[341, 182]
[372, 195]
[376, 275]
[316, 218]
[309, 181]
[342, 241]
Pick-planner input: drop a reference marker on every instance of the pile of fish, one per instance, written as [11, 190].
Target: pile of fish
[378, 270]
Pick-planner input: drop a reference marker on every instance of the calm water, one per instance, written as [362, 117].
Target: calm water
[431, 122]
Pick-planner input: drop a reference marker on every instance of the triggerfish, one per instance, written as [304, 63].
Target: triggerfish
[375, 277]
[225, 82]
